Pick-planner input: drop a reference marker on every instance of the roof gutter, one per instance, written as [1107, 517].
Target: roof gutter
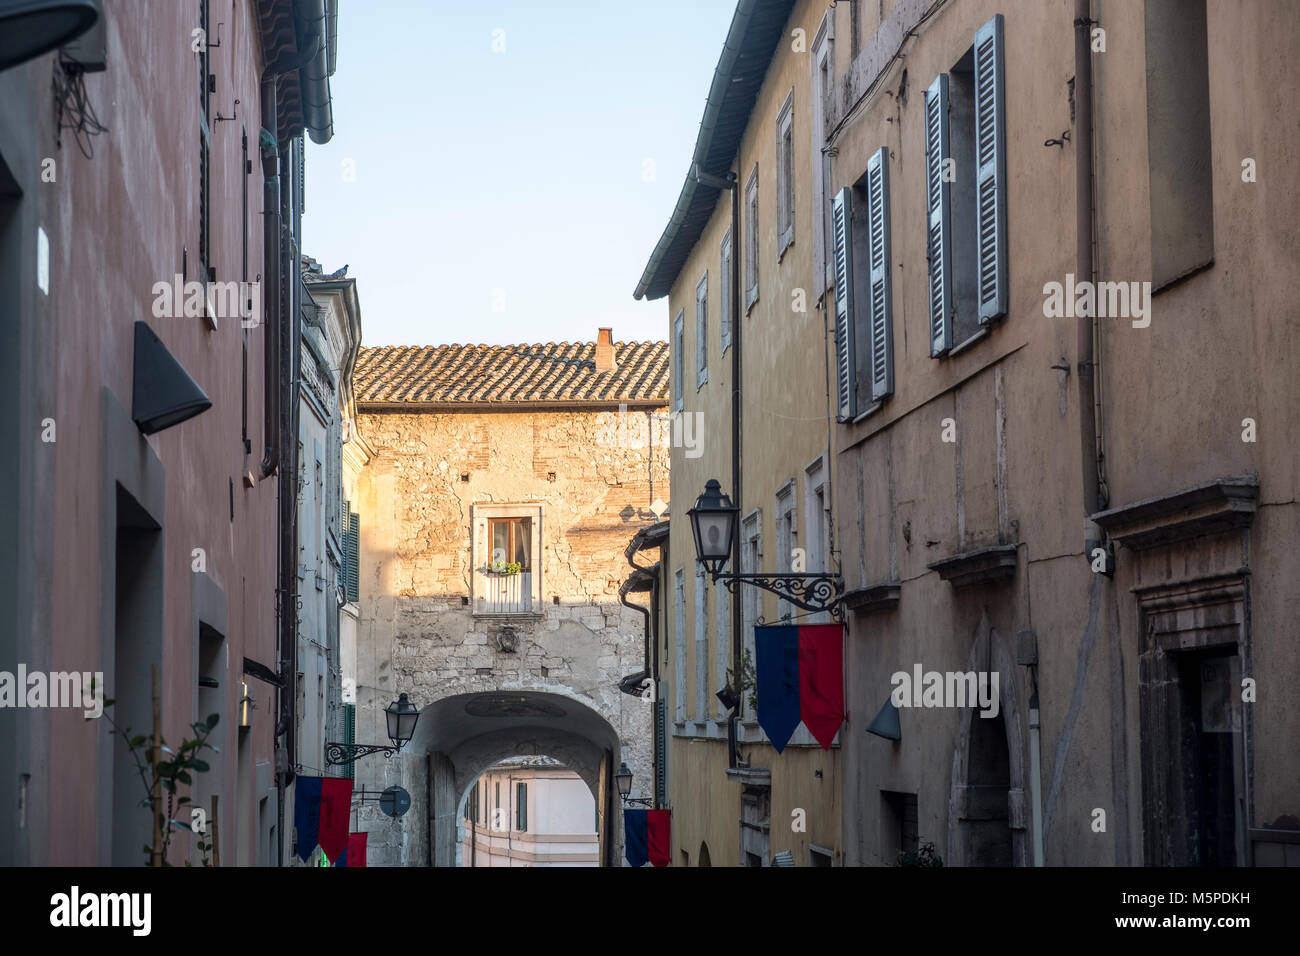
[313, 29]
[722, 77]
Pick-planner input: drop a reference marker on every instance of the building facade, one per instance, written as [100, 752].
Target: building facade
[330, 338]
[529, 811]
[501, 487]
[1064, 433]
[753, 286]
[146, 337]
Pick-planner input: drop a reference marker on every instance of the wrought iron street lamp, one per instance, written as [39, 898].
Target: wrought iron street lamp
[713, 522]
[624, 781]
[401, 715]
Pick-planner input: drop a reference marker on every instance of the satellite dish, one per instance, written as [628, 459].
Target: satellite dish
[395, 801]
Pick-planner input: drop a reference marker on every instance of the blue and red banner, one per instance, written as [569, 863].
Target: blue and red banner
[799, 672]
[647, 837]
[321, 806]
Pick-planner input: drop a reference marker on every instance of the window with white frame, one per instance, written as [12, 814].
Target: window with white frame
[751, 239]
[823, 81]
[721, 644]
[724, 280]
[701, 645]
[751, 562]
[816, 518]
[679, 344]
[785, 176]
[785, 542]
[679, 646]
[816, 525]
[702, 331]
[506, 558]
[965, 195]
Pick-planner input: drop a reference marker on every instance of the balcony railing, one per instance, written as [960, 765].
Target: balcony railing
[507, 593]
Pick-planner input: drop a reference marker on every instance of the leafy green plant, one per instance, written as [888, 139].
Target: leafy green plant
[505, 567]
[924, 855]
[161, 778]
[748, 683]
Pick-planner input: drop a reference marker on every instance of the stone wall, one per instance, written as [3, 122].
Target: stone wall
[418, 632]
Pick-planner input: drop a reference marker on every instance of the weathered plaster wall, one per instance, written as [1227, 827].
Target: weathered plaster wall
[418, 633]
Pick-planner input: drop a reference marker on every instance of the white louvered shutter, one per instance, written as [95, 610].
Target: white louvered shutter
[938, 205]
[882, 346]
[990, 163]
[845, 364]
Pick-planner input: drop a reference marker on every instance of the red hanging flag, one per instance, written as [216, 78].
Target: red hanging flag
[659, 836]
[335, 807]
[356, 851]
[821, 680]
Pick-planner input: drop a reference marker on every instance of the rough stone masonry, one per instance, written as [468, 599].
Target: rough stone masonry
[436, 623]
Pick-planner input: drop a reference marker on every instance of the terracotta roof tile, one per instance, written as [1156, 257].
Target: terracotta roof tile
[511, 374]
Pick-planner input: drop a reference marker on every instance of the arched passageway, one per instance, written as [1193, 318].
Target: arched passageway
[465, 734]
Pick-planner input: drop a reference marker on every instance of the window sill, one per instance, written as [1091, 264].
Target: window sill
[701, 382]
[509, 615]
[785, 247]
[967, 343]
[866, 413]
[751, 300]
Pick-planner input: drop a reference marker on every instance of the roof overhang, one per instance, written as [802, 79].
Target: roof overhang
[756, 28]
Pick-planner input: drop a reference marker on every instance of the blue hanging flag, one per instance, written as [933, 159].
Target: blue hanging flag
[776, 672]
[306, 814]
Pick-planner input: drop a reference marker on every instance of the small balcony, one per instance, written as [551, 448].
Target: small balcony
[506, 593]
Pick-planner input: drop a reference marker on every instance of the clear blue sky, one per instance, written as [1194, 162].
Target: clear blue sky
[516, 177]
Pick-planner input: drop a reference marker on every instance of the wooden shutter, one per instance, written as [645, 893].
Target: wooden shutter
[702, 332]
[845, 365]
[661, 751]
[938, 205]
[990, 163]
[724, 309]
[678, 344]
[350, 736]
[351, 556]
[881, 310]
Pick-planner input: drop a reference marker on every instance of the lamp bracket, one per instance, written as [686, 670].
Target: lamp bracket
[336, 753]
[812, 592]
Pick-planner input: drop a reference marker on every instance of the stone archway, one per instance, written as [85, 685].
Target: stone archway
[989, 758]
[465, 734]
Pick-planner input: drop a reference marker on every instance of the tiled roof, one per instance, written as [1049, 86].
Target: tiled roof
[560, 372]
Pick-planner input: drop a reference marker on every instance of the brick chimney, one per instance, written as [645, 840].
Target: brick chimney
[605, 351]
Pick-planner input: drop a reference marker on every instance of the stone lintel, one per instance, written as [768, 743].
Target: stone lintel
[874, 597]
[981, 566]
[1212, 507]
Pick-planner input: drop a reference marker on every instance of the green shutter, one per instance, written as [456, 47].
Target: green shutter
[350, 734]
[351, 552]
[661, 751]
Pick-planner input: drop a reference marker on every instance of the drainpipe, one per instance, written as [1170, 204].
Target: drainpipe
[1083, 268]
[1035, 781]
[271, 311]
[737, 607]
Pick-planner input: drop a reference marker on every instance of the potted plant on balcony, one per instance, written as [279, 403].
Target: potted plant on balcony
[504, 567]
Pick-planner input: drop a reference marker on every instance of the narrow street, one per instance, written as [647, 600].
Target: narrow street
[745, 433]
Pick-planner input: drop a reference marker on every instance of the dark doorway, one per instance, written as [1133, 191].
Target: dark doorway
[136, 653]
[1210, 741]
[988, 780]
